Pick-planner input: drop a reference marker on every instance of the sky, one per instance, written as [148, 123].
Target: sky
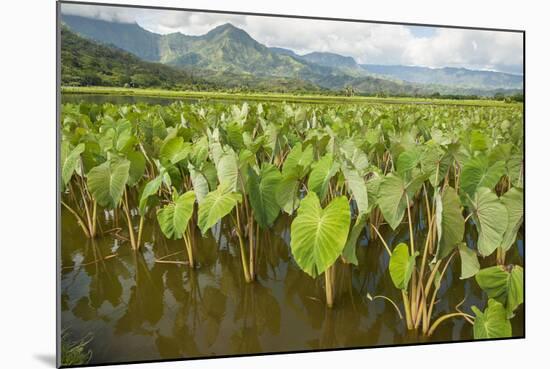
[368, 43]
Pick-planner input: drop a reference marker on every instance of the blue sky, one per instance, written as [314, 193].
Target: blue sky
[368, 43]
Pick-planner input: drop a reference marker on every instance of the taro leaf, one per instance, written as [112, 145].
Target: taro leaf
[492, 323]
[69, 160]
[477, 173]
[407, 161]
[297, 161]
[469, 262]
[317, 235]
[200, 183]
[478, 141]
[373, 186]
[92, 156]
[321, 173]
[349, 254]
[503, 285]
[287, 194]
[261, 192]
[208, 170]
[491, 218]
[514, 169]
[199, 152]
[401, 266]
[150, 189]
[216, 205]
[228, 169]
[513, 201]
[449, 222]
[435, 163]
[235, 136]
[137, 167]
[175, 150]
[358, 189]
[216, 152]
[174, 217]
[392, 197]
[107, 182]
[354, 156]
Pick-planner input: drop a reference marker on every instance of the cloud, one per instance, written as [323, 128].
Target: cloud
[368, 43]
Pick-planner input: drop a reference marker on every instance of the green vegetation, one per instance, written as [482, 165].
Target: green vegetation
[270, 97]
[337, 171]
[74, 353]
[85, 63]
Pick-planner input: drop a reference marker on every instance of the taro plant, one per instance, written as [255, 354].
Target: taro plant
[410, 269]
[174, 219]
[318, 236]
[85, 206]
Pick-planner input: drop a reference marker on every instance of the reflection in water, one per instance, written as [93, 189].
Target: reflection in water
[137, 309]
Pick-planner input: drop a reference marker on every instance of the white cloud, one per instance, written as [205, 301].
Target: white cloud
[366, 42]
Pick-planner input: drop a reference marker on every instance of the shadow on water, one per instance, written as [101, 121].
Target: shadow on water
[138, 309]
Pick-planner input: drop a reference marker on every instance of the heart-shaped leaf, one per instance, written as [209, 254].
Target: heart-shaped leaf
[401, 266]
[317, 235]
[216, 205]
[261, 192]
[107, 181]
[491, 323]
[491, 218]
[174, 217]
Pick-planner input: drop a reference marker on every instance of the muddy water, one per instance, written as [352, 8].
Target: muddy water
[137, 309]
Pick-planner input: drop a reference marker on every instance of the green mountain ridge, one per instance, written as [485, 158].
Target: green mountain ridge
[227, 55]
[87, 63]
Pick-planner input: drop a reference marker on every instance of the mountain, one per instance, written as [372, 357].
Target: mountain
[456, 77]
[127, 36]
[228, 56]
[331, 60]
[86, 63]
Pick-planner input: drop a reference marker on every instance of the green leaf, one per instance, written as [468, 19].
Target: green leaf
[477, 173]
[407, 161]
[350, 250]
[174, 217]
[107, 181]
[297, 161]
[317, 235]
[358, 189]
[503, 285]
[373, 187]
[391, 199]
[469, 262]
[354, 156]
[262, 194]
[149, 190]
[137, 167]
[492, 323]
[491, 218]
[478, 141]
[200, 183]
[287, 193]
[175, 150]
[321, 173]
[513, 201]
[401, 266]
[216, 205]
[228, 169]
[69, 160]
[449, 222]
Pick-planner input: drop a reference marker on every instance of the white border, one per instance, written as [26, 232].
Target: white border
[28, 171]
